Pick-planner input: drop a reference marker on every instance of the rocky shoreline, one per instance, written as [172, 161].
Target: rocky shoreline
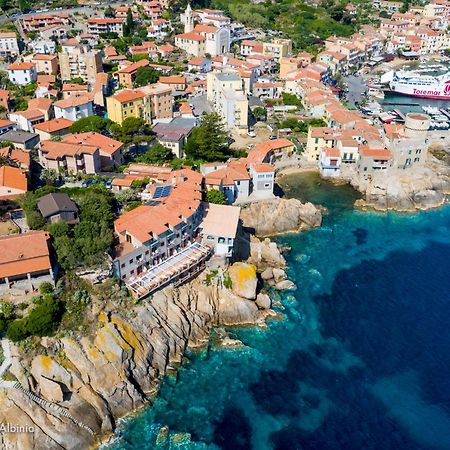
[410, 190]
[74, 389]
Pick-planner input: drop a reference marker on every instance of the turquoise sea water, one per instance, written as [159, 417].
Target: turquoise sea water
[360, 361]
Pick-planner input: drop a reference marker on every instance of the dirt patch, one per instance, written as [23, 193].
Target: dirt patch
[8, 227]
[242, 139]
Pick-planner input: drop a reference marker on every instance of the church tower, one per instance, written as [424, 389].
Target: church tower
[188, 19]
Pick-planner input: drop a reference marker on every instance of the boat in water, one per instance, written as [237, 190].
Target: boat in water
[417, 85]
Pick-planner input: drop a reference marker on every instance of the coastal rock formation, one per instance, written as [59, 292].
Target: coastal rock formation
[78, 387]
[408, 190]
[265, 255]
[280, 215]
[243, 280]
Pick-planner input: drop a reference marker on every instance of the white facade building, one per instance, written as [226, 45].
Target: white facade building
[22, 73]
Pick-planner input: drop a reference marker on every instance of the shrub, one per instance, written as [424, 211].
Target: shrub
[46, 288]
[17, 330]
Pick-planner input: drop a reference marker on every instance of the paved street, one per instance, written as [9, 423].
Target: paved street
[356, 89]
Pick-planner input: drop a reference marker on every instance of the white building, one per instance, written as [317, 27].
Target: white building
[219, 228]
[225, 91]
[330, 162]
[74, 108]
[8, 44]
[263, 177]
[44, 47]
[99, 25]
[22, 73]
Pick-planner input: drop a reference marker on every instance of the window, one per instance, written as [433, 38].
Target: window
[131, 261]
[122, 266]
[416, 159]
[409, 152]
[267, 185]
[418, 151]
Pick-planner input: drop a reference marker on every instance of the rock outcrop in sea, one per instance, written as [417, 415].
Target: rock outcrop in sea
[74, 388]
[407, 190]
[280, 215]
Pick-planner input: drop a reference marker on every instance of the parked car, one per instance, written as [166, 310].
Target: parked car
[272, 137]
[87, 183]
[251, 133]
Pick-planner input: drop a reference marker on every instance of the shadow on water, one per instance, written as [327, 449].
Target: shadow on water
[310, 187]
[233, 430]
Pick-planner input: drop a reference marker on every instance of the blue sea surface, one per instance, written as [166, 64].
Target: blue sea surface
[361, 359]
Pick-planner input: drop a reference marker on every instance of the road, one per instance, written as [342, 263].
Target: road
[83, 9]
[356, 89]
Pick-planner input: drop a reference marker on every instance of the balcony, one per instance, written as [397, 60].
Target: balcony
[177, 269]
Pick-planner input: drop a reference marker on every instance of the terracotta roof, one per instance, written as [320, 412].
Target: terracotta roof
[53, 125]
[21, 157]
[192, 36]
[44, 57]
[73, 100]
[128, 95]
[104, 143]
[227, 176]
[21, 66]
[74, 87]
[57, 150]
[259, 151]
[205, 28]
[263, 167]
[175, 79]
[12, 177]
[146, 222]
[134, 67]
[331, 152]
[6, 123]
[24, 253]
[375, 153]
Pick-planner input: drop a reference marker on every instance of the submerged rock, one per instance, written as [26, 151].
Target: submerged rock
[284, 284]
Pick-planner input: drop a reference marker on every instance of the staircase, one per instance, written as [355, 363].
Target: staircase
[52, 406]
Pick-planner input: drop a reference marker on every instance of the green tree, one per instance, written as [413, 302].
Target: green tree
[77, 80]
[109, 12]
[208, 141]
[91, 123]
[128, 26]
[291, 100]
[45, 317]
[156, 154]
[260, 113]
[17, 330]
[217, 197]
[146, 75]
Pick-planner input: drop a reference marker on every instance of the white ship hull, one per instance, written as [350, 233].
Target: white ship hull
[424, 87]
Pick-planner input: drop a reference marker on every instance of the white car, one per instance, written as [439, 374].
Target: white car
[251, 133]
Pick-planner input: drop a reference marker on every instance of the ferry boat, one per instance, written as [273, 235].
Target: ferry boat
[425, 86]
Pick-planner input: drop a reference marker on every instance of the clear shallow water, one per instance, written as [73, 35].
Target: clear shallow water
[361, 361]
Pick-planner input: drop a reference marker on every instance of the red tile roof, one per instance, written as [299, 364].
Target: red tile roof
[24, 253]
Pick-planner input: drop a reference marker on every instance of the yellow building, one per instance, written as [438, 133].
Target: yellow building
[154, 101]
[128, 103]
[318, 138]
[278, 48]
[225, 90]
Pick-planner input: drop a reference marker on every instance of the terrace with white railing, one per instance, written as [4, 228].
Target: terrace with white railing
[177, 269]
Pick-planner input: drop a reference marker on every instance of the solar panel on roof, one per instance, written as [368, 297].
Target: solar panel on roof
[165, 191]
[158, 192]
